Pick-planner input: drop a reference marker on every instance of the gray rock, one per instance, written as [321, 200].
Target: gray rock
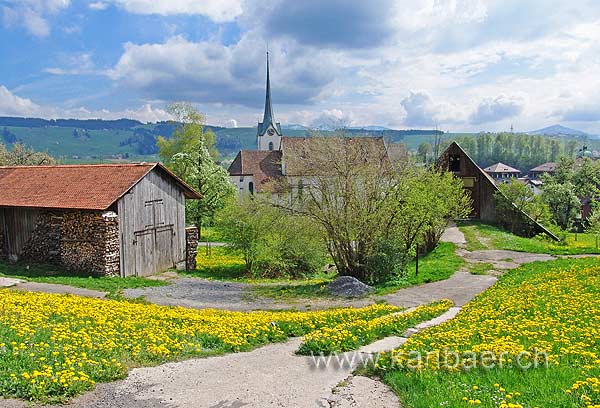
[348, 286]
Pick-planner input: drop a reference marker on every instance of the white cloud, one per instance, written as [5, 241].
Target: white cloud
[79, 64]
[217, 10]
[496, 109]
[98, 5]
[13, 105]
[32, 14]
[209, 72]
[231, 123]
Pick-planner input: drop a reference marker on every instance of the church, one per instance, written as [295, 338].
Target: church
[254, 171]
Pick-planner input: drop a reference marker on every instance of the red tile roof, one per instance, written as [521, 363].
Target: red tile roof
[91, 186]
[263, 165]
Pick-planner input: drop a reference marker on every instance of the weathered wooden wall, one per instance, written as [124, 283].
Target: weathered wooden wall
[152, 222]
[477, 184]
[17, 224]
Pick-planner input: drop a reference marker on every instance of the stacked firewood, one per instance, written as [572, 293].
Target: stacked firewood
[44, 244]
[90, 242]
[191, 247]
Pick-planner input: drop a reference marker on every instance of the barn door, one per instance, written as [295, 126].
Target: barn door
[154, 243]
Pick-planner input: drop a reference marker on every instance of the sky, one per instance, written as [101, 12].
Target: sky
[460, 65]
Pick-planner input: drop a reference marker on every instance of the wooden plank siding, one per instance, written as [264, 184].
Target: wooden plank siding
[18, 225]
[152, 224]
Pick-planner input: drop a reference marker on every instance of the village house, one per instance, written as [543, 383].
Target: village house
[546, 168]
[501, 172]
[104, 220]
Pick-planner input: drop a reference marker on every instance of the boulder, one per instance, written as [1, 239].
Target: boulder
[349, 287]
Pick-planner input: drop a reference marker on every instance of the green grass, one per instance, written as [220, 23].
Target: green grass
[221, 263]
[472, 237]
[552, 306]
[212, 234]
[57, 275]
[500, 239]
[480, 268]
[439, 264]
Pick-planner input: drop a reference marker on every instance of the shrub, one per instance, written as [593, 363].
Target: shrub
[273, 243]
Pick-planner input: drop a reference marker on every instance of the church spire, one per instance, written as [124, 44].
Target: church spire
[268, 136]
[268, 116]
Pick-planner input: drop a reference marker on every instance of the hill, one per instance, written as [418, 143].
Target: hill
[558, 130]
[74, 140]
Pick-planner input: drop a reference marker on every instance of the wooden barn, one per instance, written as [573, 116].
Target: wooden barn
[481, 188]
[105, 219]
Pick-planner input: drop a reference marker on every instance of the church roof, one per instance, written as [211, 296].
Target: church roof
[373, 147]
[263, 165]
[268, 117]
[501, 168]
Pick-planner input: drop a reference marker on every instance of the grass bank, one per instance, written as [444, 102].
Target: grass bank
[484, 236]
[55, 274]
[546, 309]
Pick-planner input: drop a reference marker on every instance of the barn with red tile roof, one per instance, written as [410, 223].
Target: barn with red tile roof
[105, 219]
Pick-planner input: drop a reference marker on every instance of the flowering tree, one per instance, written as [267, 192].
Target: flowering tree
[190, 153]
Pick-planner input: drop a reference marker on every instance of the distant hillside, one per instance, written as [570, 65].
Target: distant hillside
[558, 130]
[74, 140]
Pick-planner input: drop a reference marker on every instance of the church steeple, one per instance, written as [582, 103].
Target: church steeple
[268, 116]
[268, 128]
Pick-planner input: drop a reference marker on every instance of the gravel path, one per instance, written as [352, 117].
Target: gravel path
[58, 289]
[204, 293]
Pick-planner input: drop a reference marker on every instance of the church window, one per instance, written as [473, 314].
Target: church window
[270, 145]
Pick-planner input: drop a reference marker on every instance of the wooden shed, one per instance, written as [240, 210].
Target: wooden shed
[105, 219]
[482, 189]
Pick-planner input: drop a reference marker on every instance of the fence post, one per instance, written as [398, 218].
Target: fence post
[417, 262]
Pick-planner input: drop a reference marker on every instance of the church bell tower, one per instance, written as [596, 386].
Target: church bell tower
[268, 136]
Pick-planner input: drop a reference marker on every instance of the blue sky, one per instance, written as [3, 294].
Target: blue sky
[462, 65]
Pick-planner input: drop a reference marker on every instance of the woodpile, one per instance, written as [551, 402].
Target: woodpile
[83, 241]
[44, 244]
[2, 241]
[90, 242]
[191, 247]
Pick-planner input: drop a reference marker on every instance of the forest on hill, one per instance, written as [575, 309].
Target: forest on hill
[74, 140]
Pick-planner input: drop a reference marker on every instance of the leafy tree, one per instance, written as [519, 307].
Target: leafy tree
[190, 153]
[562, 201]
[514, 197]
[371, 212]
[424, 150]
[593, 224]
[20, 155]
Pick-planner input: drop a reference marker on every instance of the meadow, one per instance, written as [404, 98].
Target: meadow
[483, 236]
[549, 309]
[56, 346]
